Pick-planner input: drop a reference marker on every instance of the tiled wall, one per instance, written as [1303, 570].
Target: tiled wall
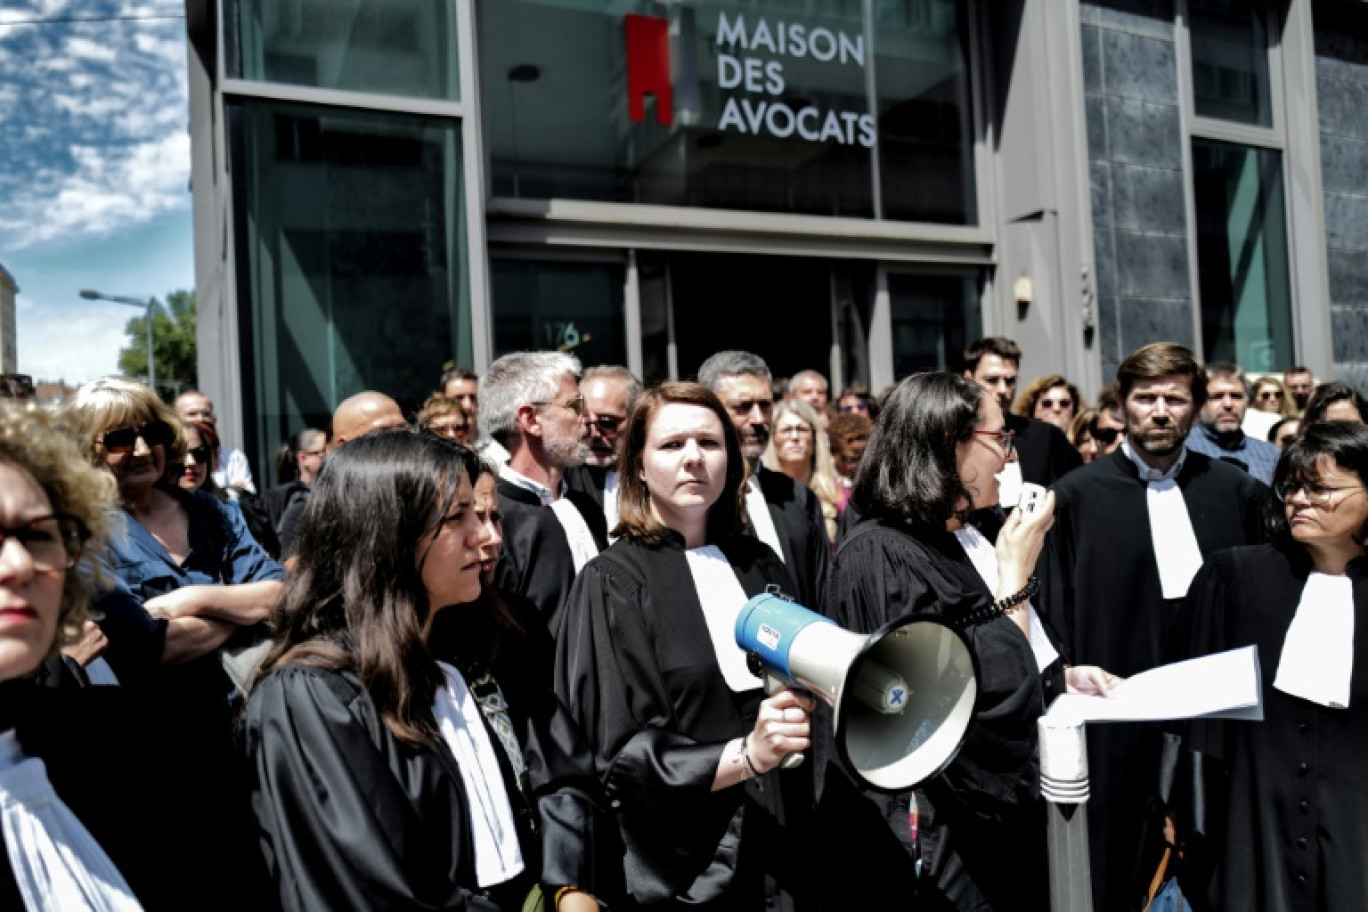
[1135, 153]
[1342, 96]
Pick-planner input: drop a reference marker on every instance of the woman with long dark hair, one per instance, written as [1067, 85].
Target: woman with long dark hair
[385, 778]
[687, 744]
[931, 540]
[1282, 822]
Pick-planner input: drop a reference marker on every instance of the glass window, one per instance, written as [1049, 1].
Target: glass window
[388, 47]
[352, 265]
[1242, 255]
[574, 307]
[934, 318]
[766, 105]
[1230, 60]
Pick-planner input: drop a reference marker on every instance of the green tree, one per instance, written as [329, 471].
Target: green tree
[173, 344]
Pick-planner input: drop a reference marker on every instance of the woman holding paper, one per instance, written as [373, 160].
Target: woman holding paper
[1284, 824]
[931, 540]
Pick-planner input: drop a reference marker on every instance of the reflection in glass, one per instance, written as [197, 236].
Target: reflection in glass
[1242, 256]
[934, 319]
[764, 106]
[354, 276]
[574, 307]
[1230, 60]
[389, 47]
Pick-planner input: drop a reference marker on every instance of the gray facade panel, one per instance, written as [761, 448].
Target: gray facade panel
[1100, 192]
[1348, 277]
[1346, 220]
[1344, 160]
[1153, 266]
[1146, 320]
[1341, 107]
[1095, 108]
[1144, 133]
[1349, 329]
[1138, 66]
[1144, 17]
[1355, 372]
[1109, 328]
[1148, 199]
[1104, 253]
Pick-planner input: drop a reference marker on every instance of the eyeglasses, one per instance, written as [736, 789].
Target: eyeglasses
[124, 439]
[575, 405]
[1065, 403]
[861, 407]
[608, 424]
[53, 542]
[448, 430]
[1318, 494]
[200, 454]
[1006, 438]
[1105, 436]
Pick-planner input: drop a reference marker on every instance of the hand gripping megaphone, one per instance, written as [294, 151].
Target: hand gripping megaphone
[902, 697]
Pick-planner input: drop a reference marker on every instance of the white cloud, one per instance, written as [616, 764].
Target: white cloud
[74, 343]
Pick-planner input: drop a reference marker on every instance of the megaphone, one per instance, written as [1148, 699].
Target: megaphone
[903, 696]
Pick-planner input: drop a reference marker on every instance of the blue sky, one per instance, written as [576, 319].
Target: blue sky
[94, 173]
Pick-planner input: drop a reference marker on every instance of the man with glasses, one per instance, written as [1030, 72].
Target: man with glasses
[610, 393]
[784, 515]
[534, 409]
[1131, 530]
[1221, 434]
[1044, 454]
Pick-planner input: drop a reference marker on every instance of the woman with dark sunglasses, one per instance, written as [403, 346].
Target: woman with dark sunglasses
[195, 471]
[185, 556]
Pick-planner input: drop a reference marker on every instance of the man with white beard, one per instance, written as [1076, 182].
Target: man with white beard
[610, 392]
[533, 407]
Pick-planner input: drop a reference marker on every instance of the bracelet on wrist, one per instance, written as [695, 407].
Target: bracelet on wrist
[745, 755]
[563, 892]
[1003, 605]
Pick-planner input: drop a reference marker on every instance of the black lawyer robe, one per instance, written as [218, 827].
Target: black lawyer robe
[636, 666]
[1282, 815]
[1043, 452]
[803, 539]
[537, 563]
[352, 818]
[984, 836]
[1102, 593]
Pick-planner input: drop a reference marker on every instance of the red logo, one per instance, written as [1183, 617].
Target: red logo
[648, 68]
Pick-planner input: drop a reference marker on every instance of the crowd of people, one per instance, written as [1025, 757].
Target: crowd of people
[483, 657]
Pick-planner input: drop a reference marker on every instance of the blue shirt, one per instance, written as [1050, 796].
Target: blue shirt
[1259, 456]
[222, 552]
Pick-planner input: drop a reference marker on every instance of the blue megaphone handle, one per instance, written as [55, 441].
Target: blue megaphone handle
[767, 626]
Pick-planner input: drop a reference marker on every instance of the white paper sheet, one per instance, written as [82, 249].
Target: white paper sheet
[1221, 686]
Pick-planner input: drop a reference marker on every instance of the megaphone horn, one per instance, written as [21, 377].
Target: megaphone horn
[903, 696]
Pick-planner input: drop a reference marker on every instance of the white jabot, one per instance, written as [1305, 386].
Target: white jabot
[610, 502]
[1318, 654]
[722, 598]
[56, 862]
[1009, 485]
[1176, 552]
[760, 518]
[498, 857]
[492, 451]
[583, 548]
[984, 558]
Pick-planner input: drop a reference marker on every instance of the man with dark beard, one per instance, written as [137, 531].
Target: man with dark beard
[1131, 529]
[533, 408]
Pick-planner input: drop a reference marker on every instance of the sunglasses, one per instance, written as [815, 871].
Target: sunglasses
[200, 454]
[53, 542]
[124, 439]
[606, 423]
[1105, 436]
[1270, 394]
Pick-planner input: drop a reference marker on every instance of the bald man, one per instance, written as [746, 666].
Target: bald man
[356, 416]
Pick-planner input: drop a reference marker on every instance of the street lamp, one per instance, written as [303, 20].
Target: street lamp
[132, 302]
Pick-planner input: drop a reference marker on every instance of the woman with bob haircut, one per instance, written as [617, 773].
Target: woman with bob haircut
[1335, 401]
[1282, 815]
[932, 540]
[186, 556]
[686, 742]
[386, 779]
[1052, 399]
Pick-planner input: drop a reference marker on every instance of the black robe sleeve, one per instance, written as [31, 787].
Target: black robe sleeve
[340, 830]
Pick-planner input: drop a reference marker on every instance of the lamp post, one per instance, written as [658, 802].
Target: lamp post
[147, 308]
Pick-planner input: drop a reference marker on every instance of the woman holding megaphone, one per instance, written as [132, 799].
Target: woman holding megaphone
[687, 743]
[932, 541]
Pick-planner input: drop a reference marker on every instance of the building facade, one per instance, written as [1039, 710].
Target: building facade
[9, 353]
[859, 186]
